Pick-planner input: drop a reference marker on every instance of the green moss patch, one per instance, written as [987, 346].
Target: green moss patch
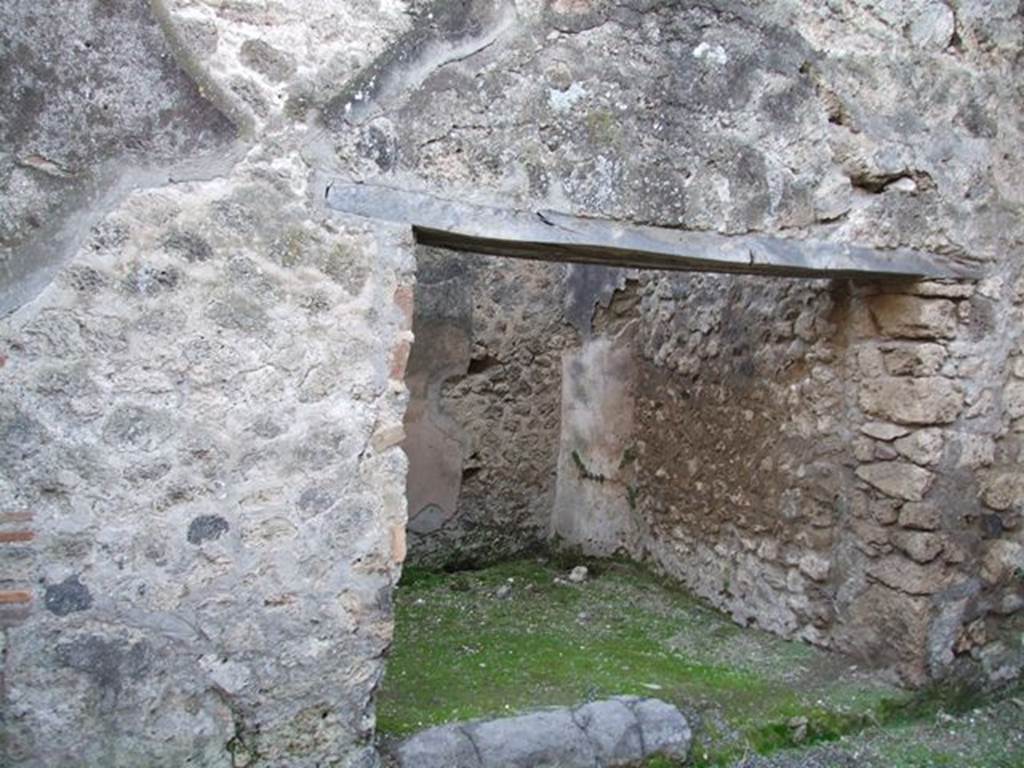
[516, 636]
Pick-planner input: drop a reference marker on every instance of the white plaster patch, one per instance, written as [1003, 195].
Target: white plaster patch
[563, 101]
[713, 53]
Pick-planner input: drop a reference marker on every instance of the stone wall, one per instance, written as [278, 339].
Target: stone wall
[829, 461]
[213, 514]
[885, 124]
[739, 447]
[932, 551]
[483, 419]
[202, 367]
[202, 507]
[819, 459]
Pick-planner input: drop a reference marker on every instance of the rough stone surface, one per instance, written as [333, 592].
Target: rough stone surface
[921, 516]
[896, 479]
[82, 126]
[186, 405]
[910, 317]
[619, 731]
[883, 431]
[215, 343]
[482, 426]
[921, 547]
[211, 521]
[922, 401]
[922, 447]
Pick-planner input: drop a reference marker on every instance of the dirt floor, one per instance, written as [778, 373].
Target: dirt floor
[520, 635]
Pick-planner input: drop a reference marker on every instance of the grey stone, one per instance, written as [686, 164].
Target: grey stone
[920, 546]
[884, 453]
[315, 500]
[578, 574]
[918, 359]
[613, 729]
[150, 280]
[665, 730]
[136, 428]
[537, 740]
[921, 516]
[206, 528]
[1002, 559]
[933, 26]
[187, 245]
[613, 732]
[814, 566]
[899, 573]
[21, 436]
[883, 431]
[107, 661]
[447, 746]
[1003, 487]
[70, 596]
[923, 446]
[1013, 399]
[897, 479]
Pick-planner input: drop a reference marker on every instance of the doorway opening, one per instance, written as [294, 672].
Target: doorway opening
[578, 448]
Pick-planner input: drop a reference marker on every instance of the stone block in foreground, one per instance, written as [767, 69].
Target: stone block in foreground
[617, 731]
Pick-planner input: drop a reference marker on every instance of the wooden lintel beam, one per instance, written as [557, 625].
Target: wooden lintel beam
[553, 236]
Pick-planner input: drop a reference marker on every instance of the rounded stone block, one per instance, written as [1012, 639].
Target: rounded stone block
[614, 732]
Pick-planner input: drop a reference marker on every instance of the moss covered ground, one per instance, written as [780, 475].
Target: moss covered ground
[518, 635]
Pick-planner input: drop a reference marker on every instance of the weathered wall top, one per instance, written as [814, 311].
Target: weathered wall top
[95, 104]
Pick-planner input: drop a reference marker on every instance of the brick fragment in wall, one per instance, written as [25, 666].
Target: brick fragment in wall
[400, 358]
[922, 401]
[404, 300]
